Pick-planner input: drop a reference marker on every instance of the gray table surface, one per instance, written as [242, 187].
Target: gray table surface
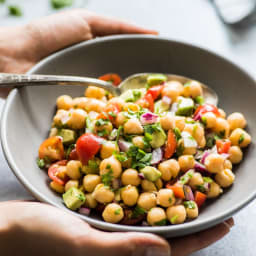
[190, 21]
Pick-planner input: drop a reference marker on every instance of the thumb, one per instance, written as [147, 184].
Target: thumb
[126, 244]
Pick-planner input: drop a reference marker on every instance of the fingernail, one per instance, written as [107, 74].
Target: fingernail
[157, 251]
[229, 223]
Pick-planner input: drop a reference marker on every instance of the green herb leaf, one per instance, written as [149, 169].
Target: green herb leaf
[111, 113]
[190, 204]
[204, 120]
[207, 179]
[120, 156]
[107, 177]
[177, 133]
[201, 188]
[241, 138]
[70, 148]
[58, 4]
[93, 165]
[174, 218]
[138, 211]
[117, 211]
[222, 134]
[101, 122]
[40, 162]
[170, 200]
[161, 222]
[15, 10]
[151, 128]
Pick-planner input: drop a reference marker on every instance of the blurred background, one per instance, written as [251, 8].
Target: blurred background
[227, 27]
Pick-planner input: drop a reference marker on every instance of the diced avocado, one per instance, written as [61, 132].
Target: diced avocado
[155, 79]
[151, 173]
[68, 136]
[185, 107]
[161, 107]
[74, 198]
[132, 95]
[158, 138]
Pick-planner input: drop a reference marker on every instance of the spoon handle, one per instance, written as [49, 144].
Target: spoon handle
[16, 80]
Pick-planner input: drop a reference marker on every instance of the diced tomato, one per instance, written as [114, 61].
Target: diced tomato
[51, 149]
[87, 146]
[113, 78]
[148, 97]
[200, 198]
[207, 108]
[155, 91]
[177, 190]
[53, 172]
[223, 146]
[171, 144]
[109, 112]
[73, 155]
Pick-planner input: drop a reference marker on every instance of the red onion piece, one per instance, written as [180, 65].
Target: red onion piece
[200, 167]
[188, 193]
[148, 118]
[157, 156]
[205, 154]
[197, 117]
[85, 211]
[141, 175]
[124, 145]
[167, 100]
[116, 183]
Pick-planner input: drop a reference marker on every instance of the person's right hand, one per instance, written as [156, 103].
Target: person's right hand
[28, 228]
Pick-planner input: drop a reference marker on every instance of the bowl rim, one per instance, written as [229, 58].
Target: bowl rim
[185, 227]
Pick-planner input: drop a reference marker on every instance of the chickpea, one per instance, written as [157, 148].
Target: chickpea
[95, 105]
[186, 162]
[138, 141]
[210, 120]
[155, 216]
[130, 177]
[240, 137]
[225, 178]
[61, 117]
[167, 122]
[71, 184]
[103, 194]
[147, 200]
[127, 164]
[214, 190]
[191, 209]
[159, 183]
[74, 168]
[169, 168]
[113, 213]
[57, 187]
[90, 181]
[197, 132]
[108, 148]
[64, 102]
[165, 197]
[222, 127]
[176, 214]
[53, 132]
[80, 102]
[177, 85]
[222, 113]
[196, 180]
[90, 202]
[117, 101]
[235, 155]
[214, 163]
[111, 164]
[180, 122]
[120, 119]
[172, 90]
[94, 92]
[148, 186]
[77, 119]
[236, 120]
[193, 89]
[129, 195]
[133, 126]
[227, 164]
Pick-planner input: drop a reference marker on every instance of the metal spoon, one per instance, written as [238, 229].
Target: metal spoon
[132, 82]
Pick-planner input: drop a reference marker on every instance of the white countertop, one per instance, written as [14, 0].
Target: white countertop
[191, 21]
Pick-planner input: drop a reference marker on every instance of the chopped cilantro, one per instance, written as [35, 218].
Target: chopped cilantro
[186, 177]
[58, 4]
[121, 156]
[241, 138]
[70, 148]
[161, 222]
[146, 140]
[101, 122]
[140, 158]
[177, 133]
[40, 162]
[180, 149]
[93, 165]
[222, 134]
[190, 204]
[117, 211]
[138, 211]
[81, 197]
[103, 133]
[111, 113]
[170, 200]
[174, 218]
[151, 128]
[136, 94]
[204, 120]
[14, 10]
[210, 142]
[207, 179]
[107, 178]
[201, 188]
[119, 131]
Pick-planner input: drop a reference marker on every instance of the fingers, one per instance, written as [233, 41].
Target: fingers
[125, 244]
[101, 25]
[185, 245]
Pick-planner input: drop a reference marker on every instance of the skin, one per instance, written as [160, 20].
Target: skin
[52, 231]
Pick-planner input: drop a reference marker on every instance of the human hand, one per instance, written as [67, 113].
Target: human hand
[28, 228]
[22, 47]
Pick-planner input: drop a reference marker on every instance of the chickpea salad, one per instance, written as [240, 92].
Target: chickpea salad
[152, 156]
